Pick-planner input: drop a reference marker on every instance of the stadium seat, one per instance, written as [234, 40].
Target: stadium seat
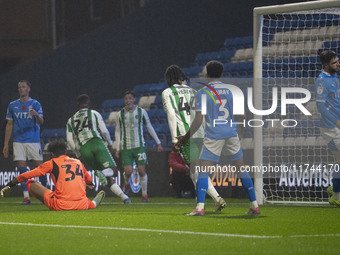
[112, 105]
[192, 71]
[146, 101]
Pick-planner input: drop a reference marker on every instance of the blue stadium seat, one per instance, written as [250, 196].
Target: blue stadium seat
[105, 115]
[238, 42]
[112, 105]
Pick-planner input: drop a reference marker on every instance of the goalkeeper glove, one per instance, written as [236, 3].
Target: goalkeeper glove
[9, 185]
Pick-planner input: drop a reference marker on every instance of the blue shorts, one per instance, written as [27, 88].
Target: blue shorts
[230, 148]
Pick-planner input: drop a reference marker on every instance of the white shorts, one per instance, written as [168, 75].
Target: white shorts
[332, 137]
[229, 147]
[27, 151]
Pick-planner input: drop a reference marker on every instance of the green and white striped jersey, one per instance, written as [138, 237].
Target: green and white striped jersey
[85, 125]
[129, 128]
[177, 103]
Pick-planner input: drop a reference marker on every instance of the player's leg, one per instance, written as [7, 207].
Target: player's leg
[202, 180]
[113, 186]
[192, 150]
[89, 152]
[36, 189]
[233, 151]
[19, 156]
[210, 154]
[105, 161]
[248, 186]
[127, 162]
[34, 152]
[143, 182]
[140, 158]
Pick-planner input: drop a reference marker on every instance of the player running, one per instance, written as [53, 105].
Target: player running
[327, 89]
[69, 177]
[178, 100]
[84, 138]
[218, 140]
[130, 141]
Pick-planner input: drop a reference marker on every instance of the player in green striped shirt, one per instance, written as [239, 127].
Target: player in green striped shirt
[178, 101]
[85, 134]
[130, 140]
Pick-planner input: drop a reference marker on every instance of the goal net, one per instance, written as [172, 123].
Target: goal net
[287, 43]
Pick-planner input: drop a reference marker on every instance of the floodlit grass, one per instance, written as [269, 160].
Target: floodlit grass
[160, 227]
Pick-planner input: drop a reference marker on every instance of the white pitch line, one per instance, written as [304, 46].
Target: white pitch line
[168, 231]
[141, 230]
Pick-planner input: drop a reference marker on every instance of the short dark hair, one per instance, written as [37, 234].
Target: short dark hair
[174, 75]
[27, 82]
[326, 56]
[129, 92]
[214, 69]
[57, 147]
[83, 99]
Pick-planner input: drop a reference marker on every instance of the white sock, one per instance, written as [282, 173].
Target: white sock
[253, 204]
[95, 204]
[26, 194]
[144, 184]
[212, 191]
[336, 195]
[200, 206]
[118, 191]
[108, 172]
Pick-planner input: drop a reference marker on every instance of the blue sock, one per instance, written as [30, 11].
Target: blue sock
[201, 187]
[21, 171]
[336, 180]
[248, 185]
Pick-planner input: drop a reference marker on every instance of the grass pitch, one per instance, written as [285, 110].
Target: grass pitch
[160, 227]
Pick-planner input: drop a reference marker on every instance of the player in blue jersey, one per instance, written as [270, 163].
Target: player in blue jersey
[327, 90]
[24, 117]
[219, 139]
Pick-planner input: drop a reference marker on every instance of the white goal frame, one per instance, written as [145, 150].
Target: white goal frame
[257, 58]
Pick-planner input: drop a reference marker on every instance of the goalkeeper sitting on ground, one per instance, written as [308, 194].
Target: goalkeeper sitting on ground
[69, 177]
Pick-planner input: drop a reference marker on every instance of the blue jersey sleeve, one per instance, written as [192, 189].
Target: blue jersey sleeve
[321, 90]
[9, 114]
[37, 107]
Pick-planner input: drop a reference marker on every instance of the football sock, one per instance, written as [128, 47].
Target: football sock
[26, 194]
[248, 185]
[118, 191]
[201, 187]
[23, 184]
[212, 191]
[200, 206]
[108, 172]
[253, 204]
[144, 184]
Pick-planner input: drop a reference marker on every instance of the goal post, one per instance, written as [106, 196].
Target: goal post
[287, 42]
